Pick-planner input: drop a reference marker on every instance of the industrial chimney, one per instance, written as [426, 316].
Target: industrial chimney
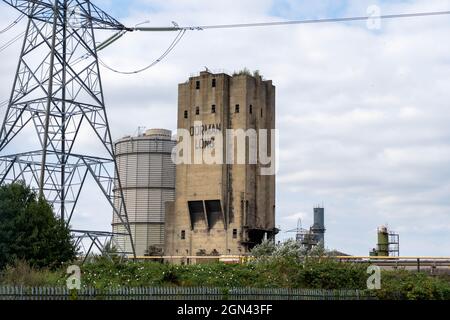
[318, 228]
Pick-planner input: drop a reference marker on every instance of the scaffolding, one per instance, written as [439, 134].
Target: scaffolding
[394, 244]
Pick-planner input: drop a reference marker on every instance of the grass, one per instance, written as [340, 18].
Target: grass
[21, 274]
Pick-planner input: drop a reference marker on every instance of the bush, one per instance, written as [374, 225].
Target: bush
[326, 273]
[30, 231]
[295, 267]
[105, 273]
[265, 249]
[406, 285]
[243, 72]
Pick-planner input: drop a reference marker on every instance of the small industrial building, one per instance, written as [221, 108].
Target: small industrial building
[388, 243]
[315, 235]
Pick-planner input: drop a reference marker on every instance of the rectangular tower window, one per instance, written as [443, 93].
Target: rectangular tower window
[185, 114]
[197, 111]
[236, 110]
[197, 85]
[234, 233]
[213, 108]
[261, 112]
[196, 213]
[250, 109]
[213, 212]
[183, 234]
[213, 83]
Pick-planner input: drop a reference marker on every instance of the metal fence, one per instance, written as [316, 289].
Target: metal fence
[178, 293]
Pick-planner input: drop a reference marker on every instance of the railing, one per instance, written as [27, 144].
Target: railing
[195, 259]
[435, 265]
[178, 293]
[418, 263]
[213, 71]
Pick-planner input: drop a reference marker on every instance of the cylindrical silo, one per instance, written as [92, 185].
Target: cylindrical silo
[147, 176]
[383, 241]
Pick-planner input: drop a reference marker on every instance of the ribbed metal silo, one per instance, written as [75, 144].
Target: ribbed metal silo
[147, 176]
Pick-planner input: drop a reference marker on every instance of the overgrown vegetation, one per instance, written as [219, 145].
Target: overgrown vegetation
[247, 72]
[316, 274]
[104, 273]
[274, 266]
[22, 274]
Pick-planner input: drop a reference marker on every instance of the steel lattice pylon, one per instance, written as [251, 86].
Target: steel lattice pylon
[56, 91]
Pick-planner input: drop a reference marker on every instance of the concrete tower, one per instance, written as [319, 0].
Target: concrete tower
[222, 208]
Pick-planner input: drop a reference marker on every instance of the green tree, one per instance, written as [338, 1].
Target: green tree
[30, 231]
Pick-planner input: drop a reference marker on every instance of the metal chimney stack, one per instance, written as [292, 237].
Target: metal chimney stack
[318, 228]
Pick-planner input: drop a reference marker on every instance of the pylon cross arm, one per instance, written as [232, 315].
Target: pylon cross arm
[80, 13]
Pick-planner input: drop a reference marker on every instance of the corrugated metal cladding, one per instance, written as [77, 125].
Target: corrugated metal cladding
[144, 235]
[147, 176]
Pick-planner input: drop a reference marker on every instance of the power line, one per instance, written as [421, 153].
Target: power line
[293, 22]
[9, 27]
[12, 24]
[12, 41]
[169, 50]
[182, 31]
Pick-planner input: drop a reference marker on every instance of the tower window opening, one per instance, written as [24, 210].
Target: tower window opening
[214, 83]
[197, 111]
[197, 85]
[186, 114]
[236, 110]
[213, 108]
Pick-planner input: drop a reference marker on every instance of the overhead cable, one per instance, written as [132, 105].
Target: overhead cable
[12, 41]
[292, 22]
[169, 49]
[11, 25]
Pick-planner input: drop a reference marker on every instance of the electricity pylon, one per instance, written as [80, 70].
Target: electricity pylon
[57, 91]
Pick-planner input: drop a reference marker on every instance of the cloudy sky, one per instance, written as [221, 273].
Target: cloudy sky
[363, 114]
